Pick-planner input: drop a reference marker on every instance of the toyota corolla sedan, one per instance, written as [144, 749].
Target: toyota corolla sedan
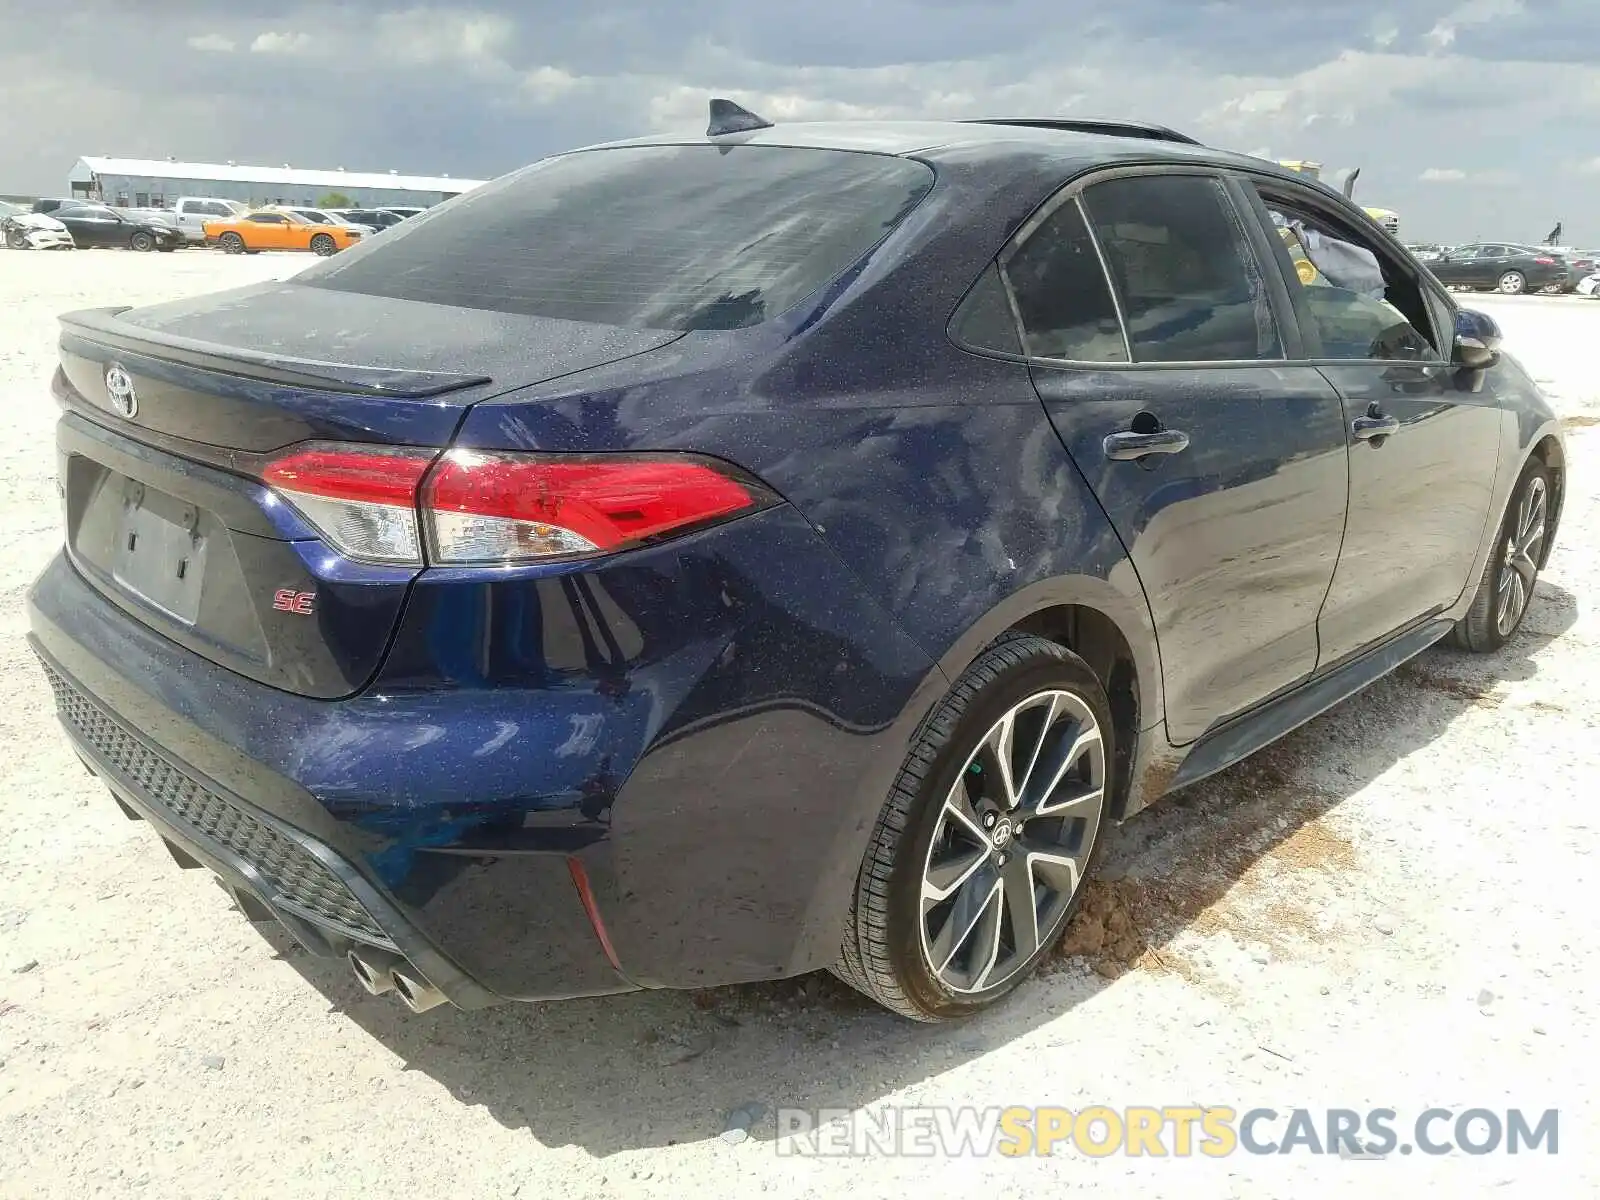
[703, 559]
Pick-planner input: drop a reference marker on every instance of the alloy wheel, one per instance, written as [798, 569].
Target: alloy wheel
[1012, 842]
[1519, 568]
[1512, 283]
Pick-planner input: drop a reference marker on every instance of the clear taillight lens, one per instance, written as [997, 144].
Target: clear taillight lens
[497, 508]
[484, 508]
[363, 501]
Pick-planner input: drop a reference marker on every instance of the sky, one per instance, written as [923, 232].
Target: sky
[1471, 118]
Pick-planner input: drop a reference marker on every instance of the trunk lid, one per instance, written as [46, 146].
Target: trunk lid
[172, 411]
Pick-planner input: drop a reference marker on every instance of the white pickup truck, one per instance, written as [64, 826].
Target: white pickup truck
[192, 212]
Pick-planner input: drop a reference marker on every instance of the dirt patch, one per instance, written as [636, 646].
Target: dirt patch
[1481, 694]
[1240, 869]
[1580, 421]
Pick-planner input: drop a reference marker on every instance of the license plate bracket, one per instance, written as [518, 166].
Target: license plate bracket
[160, 554]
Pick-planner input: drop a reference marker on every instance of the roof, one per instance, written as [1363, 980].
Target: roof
[932, 137]
[162, 168]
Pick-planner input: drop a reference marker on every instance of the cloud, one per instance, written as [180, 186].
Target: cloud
[274, 42]
[1473, 12]
[1490, 177]
[213, 43]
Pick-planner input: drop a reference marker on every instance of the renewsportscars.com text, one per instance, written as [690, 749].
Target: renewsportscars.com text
[1176, 1131]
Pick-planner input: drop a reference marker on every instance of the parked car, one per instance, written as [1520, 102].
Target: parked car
[94, 226]
[1503, 266]
[712, 558]
[1425, 252]
[24, 230]
[192, 213]
[377, 218]
[321, 216]
[49, 204]
[257, 231]
[1579, 263]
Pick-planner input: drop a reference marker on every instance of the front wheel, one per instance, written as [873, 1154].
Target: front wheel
[1505, 590]
[323, 246]
[142, 242]
[16, 239]
[979, 854]
[1512, 283]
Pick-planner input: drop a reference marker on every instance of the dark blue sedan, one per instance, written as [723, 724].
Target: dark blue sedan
[703, 559]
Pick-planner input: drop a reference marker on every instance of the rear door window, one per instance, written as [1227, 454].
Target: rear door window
[1062, 294]
[1188, 283]
[654, 237]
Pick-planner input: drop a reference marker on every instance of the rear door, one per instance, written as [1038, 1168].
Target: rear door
[1219, 461]
[1423, 449]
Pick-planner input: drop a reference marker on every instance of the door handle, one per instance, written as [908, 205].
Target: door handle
[1374, 425]
[1126, 446]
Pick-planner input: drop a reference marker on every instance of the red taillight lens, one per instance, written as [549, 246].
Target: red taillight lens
[485, 507]
[362, 500]
[1545, 262]
[479, 507]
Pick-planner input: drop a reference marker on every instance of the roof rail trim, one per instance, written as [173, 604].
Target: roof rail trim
[1134, 129]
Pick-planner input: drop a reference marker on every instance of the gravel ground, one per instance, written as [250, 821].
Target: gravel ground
[1386, 909]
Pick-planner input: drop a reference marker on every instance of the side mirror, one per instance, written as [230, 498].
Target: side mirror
[1477, 342]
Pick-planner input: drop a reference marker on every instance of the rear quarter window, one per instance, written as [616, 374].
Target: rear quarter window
[655, 237]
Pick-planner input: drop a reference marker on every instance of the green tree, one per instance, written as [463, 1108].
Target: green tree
[336, 200]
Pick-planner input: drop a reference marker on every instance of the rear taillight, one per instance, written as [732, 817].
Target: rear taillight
[485, 508]
[496, 508]
[1545, 262]
[362, 500]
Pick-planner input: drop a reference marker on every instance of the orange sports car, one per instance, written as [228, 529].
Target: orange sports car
[271, 230]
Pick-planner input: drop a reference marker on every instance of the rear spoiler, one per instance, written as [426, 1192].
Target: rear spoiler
[103, 327]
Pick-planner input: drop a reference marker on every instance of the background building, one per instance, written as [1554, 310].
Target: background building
[157, 183]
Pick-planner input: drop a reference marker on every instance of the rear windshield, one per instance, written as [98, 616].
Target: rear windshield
[652, 237]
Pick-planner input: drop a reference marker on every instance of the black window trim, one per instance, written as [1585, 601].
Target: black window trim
[1072, 191]
[1359, 222]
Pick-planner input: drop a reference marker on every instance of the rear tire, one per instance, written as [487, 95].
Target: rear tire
[1512, 283]
[971, 837]
[1505, 590]
[323, 246]
[231, 243]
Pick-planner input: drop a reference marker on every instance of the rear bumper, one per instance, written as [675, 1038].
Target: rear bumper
[272, 870]
[658, 772]
[145, 716]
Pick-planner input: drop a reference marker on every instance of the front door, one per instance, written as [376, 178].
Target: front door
[1220, 464]
[1424, 449]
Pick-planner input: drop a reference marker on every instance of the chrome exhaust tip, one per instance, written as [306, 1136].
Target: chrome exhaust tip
[374, 969]
[418, 994]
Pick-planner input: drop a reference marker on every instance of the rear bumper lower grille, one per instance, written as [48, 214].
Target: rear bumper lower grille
[299, 881]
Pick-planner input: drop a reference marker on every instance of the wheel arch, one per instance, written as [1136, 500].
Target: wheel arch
[1550, 451]
[1106, 628]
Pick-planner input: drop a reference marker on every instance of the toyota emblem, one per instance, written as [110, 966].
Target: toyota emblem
[119, 390]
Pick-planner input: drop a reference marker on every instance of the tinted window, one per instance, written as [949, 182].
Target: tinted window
[268, 218]
[663, 237]
[1356, 309]
[984, 320]
[1062, 295]
[1190, 287]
